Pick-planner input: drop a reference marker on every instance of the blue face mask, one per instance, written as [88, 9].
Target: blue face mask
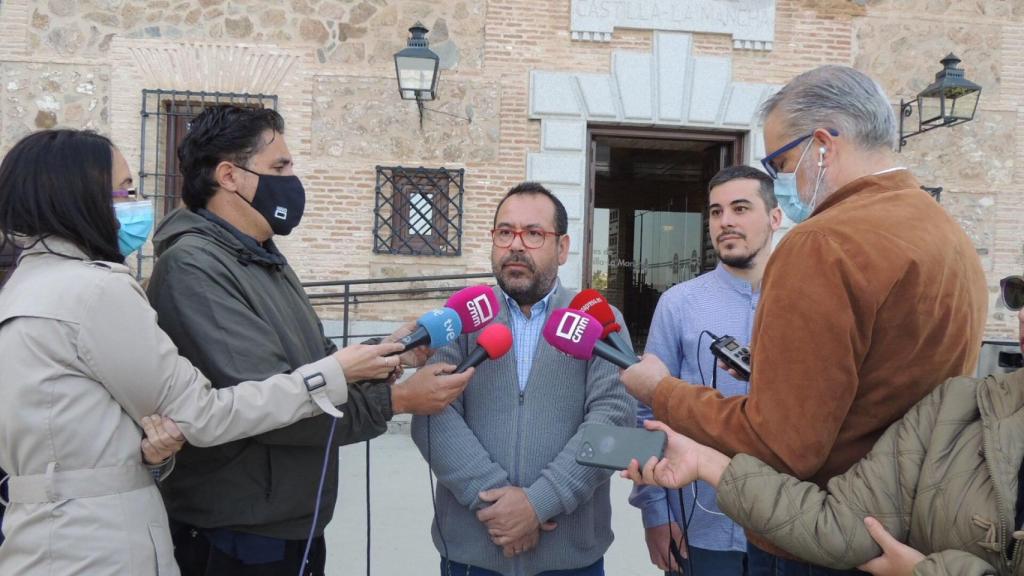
[136, 220]
[789, 199]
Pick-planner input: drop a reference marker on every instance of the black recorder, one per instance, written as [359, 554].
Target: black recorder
[732, 354]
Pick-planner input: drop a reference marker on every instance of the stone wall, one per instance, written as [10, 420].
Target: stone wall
[359, 117]
[83, 63]
[342, 32]
[36, 95]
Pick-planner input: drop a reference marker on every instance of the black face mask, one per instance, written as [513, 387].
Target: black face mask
[281, 201]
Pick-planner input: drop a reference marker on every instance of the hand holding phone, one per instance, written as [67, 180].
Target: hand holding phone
[613, 447]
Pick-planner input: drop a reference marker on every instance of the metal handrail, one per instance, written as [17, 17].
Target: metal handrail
[346, 296]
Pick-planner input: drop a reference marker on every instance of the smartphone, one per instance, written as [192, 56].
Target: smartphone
[612, 447]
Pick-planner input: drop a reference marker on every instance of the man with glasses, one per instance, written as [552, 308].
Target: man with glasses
[511, 498]
[876, 296]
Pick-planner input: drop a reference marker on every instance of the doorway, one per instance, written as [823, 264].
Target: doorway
[647, 214]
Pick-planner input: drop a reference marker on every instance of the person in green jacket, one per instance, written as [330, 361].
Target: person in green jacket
[231, 302]
[941, 492]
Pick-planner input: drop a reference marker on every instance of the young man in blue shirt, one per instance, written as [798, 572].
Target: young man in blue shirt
[742, 216]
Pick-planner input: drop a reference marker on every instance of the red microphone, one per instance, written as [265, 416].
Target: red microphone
[494, 342]
[592, 302]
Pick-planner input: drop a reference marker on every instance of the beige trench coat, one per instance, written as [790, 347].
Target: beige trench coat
[81, 362]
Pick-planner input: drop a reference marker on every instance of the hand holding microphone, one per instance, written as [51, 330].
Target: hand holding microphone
[578, 334]
[368, 361]
[468, 310]
[434, 387]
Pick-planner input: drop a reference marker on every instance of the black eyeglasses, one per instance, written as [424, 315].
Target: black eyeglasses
[1012, 290]
[769, 161]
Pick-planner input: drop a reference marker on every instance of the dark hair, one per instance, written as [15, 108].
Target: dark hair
[741, 172]
[58, 183]
[561, 217]
[220, 133]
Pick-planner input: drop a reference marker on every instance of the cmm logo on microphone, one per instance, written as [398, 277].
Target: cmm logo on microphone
[572, 327]
[480, 310]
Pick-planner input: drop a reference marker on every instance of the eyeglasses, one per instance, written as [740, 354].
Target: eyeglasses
[531, 238]
[1012, 291]
[769, 161]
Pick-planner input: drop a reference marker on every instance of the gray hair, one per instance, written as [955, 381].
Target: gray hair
[836, 97]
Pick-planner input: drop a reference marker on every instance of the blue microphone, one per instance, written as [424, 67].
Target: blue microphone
[435, 328]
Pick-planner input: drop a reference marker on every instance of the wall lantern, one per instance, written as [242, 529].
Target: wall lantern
[417, 67]
[950, 100]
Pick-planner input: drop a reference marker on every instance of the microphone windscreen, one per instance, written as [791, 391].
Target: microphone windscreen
[496, 339]
[476, 306]
[594, 303]
[573, 332]
[442, 324]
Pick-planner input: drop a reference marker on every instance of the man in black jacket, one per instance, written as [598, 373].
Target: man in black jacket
[234, 307]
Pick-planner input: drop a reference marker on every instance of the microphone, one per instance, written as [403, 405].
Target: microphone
[578, 334]
[494, 342]
[437, 327]
[592, 302]
[476, 306]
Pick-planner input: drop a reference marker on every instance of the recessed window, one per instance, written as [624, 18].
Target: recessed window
[418, 211]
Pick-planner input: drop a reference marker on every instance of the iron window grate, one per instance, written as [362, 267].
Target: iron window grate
[418, 211]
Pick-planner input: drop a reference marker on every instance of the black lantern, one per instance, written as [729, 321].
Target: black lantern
[950, 100]
[417, 67]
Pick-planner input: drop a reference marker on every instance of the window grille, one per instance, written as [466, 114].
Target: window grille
[418, 211]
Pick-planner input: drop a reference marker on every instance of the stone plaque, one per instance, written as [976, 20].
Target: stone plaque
[750, 22]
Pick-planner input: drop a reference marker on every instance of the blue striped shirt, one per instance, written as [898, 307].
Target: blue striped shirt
[526, 333]
[725, 305]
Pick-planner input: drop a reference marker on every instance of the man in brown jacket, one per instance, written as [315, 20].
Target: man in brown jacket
[867, 305]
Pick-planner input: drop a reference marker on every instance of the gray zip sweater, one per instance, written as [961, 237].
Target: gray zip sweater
[494, 436]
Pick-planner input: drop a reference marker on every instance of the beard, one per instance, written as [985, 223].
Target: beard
[742, 261]
[524, 292]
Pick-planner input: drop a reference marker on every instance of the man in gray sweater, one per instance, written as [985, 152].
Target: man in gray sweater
[511, 499]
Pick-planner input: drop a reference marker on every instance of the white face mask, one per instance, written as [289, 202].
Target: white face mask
[789, 198]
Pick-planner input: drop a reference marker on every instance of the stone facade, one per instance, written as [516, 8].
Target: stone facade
[348, 32]
[37, 95]
[530, 90]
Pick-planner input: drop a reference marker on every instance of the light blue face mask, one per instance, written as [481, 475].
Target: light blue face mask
[789, 199]
[136, 220]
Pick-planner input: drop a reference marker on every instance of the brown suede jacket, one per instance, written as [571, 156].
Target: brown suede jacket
[865, 308]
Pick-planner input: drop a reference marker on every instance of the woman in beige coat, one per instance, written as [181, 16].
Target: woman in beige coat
[946, 484]
[83, 362]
